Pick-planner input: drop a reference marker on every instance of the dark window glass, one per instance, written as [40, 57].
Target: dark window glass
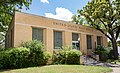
[75, 41]
[99, 40]
[57, 39]
[37, 34]
[89, 42]
[75, 37]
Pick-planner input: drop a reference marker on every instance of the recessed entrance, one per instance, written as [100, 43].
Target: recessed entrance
[75, 41]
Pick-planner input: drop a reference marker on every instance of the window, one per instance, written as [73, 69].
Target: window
[75, 37]
[37, 34]
[75, 41]
[99, 40]
[57, 39]
[89, 42]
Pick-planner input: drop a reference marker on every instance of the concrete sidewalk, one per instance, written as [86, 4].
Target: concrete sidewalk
[115, 69]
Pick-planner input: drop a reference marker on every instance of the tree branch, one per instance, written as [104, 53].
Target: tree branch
[110, 25]
[115, 28]
[104, 33]
[113, 21]
[117, 33]
[103, 23]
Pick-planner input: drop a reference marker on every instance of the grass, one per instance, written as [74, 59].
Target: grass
[61, 69]
[117, 61]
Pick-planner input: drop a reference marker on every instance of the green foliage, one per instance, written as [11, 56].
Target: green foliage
[118, 43]
[67, 55]
[109, 44]
[73, 57]
[34, 46]
[14, 58]
[103, 15]
[47, 56]
[7, 8]
[36, 56]
[79, 20]
[1, 47]
[2, 40]
[30, 54]
[104, 53]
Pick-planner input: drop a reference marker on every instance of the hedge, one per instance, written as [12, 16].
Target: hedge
[31, 53]
[67, 55]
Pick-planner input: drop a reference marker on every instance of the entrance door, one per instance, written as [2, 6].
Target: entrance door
[75, 41]
[76, 45]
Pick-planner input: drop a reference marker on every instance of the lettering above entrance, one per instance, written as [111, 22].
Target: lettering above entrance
[72, 27]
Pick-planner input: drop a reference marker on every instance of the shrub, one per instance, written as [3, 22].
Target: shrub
[1, 47]
[103, 53]
[14, 58]
[73, 57]
[36, 57]
[19, 57]
[46, 57]
[31, 53]
[67, 55]
[34, 46]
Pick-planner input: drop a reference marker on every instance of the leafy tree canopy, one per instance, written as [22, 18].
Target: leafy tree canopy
[103, 15]
[7, 8]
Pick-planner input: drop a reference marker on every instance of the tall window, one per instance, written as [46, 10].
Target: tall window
[37, 34]
[57, 39]
[99, 40]
[75, 41]
[89, 41]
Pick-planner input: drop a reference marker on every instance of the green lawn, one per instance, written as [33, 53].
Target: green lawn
[61, 69]
[117, 61]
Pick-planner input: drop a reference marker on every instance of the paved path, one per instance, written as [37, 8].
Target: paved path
[116, 69]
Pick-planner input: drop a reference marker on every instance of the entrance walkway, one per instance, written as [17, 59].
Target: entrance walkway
[116, 69]
[90, 61]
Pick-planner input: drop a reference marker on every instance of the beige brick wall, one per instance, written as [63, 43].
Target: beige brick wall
[67, 38]
[49, 39]
[83, 46]
[22, 34]
[23, 24]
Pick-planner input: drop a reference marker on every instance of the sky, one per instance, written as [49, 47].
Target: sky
[57, 9]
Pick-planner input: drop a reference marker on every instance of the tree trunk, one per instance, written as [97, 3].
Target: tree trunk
[115, 49]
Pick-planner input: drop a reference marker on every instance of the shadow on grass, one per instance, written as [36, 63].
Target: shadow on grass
[3, 70]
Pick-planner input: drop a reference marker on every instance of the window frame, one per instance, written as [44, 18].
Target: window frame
[57, 38]
[39, 30]
[89, 44]
[99, 39]
[76, 42]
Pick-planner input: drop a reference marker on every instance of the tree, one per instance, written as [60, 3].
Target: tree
[104, 15]
[7, 8]
[79, 20]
